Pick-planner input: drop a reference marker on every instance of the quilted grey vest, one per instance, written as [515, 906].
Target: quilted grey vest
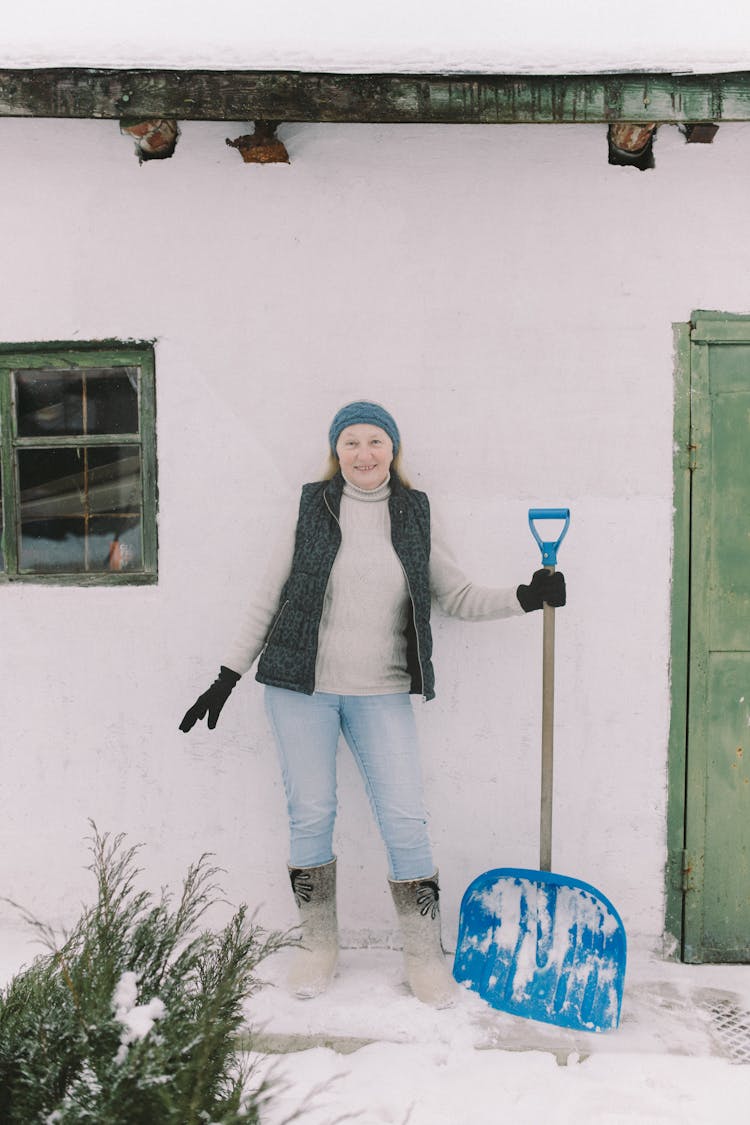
[288, 657]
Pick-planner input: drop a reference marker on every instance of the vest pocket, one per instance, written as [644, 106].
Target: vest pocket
[274, 624]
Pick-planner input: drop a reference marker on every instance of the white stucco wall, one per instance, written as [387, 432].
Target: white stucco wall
[510, 297]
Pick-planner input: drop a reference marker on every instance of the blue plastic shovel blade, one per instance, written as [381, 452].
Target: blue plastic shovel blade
[544, 946]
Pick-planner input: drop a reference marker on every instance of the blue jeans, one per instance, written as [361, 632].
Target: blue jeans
[381, 733]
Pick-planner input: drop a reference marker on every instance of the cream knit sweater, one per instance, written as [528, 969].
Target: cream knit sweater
[361, 641]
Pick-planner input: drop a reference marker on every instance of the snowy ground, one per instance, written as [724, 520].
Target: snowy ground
[369, 1053]
[386, 1059]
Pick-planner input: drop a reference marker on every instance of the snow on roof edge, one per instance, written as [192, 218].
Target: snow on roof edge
[380, 36]
[425, 63]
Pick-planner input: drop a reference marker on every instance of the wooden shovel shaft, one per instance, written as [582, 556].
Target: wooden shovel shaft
[548, 717]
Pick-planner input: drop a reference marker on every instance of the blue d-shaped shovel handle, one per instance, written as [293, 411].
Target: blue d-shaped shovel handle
[549, 548]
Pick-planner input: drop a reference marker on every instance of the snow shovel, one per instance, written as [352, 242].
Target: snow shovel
[544, 946]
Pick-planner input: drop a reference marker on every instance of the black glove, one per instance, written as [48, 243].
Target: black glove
[212, 700]
[544, 587]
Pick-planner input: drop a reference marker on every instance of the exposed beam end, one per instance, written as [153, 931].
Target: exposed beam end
[632, 145]
[155, 137]
[261, 146]
[702, 134]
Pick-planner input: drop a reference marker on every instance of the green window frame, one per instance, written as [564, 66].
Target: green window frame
[78, 489]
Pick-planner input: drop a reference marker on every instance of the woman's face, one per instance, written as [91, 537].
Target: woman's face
[365, 453]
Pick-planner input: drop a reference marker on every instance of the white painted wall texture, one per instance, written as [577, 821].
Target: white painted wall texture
[510, 297]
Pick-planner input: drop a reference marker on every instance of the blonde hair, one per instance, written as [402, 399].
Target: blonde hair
[332, 467]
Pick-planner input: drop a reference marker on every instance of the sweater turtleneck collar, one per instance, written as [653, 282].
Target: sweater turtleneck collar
[369, 495]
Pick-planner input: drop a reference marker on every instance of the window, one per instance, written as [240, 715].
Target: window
[77, 464]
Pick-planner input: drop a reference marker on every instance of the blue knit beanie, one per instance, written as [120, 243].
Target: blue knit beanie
[368, 412]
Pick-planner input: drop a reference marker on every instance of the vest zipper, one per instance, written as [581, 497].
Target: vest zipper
[272, 630]
[328, 579]
[330, 509]
[416, 630]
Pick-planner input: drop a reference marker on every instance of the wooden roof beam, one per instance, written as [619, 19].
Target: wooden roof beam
[202, 95]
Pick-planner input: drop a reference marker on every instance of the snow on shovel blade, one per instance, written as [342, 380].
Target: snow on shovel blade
[543, 946]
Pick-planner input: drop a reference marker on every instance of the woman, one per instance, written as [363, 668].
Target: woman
[342, 629]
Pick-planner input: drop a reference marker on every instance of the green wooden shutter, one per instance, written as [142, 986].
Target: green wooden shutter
[716, 857]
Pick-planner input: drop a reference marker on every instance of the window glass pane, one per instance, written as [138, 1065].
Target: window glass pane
[98, 400]
[112, 400]
[49, 403]
[80, 509]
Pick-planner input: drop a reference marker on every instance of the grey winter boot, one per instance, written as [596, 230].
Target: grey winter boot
[315, 960]
[418, 909]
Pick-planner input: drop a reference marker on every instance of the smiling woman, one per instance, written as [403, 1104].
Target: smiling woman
[350, 439]
[341, 631]
[365, 454]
